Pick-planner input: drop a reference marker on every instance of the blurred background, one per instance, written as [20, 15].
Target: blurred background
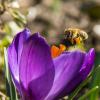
[50, 18]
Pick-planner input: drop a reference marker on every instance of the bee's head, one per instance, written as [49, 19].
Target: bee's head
[83, 34]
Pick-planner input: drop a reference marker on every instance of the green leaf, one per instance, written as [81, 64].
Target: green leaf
[11, 90]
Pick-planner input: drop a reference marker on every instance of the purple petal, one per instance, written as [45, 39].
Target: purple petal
[14, 54]
[88, 63]
[36, 67]
[66, 67]
[83, 73]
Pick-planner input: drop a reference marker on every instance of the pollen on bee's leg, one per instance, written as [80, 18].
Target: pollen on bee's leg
[78, 40]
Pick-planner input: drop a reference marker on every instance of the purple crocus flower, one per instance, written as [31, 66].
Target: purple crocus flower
[37, 75]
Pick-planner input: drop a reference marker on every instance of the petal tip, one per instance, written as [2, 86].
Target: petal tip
[92, 52]
[26, 30]
[38, 34]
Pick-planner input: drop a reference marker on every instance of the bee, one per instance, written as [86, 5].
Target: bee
[73, 36]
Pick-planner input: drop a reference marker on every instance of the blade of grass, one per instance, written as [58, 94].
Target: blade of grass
[95, 82]
[3, 96]
[73, 94]
[11, 90]
[96, 78]
[88, 93]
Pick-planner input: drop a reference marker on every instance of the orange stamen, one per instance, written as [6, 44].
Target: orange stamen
[55, 51]
[62, 48]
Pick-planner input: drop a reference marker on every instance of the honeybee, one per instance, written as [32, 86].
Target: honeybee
[73, 36]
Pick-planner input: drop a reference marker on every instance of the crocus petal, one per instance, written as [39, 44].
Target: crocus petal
[36, 68]
[84, 71]
[88, 63]
[14, 54]
[66, 66]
